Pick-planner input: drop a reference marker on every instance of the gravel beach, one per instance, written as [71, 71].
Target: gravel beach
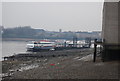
[71, 64]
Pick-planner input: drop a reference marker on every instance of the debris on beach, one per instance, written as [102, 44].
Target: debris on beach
[87, 58]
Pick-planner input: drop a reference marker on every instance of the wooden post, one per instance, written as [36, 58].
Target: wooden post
[95, 47]
[103, 50]
[64, 44]
[74, 41]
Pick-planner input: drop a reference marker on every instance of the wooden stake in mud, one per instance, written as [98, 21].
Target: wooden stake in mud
[95, 47]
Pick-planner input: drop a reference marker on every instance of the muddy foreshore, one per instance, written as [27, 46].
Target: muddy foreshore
[67, 64]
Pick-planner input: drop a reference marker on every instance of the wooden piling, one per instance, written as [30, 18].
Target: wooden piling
[95, 49]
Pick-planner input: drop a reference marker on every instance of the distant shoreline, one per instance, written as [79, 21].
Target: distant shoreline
[29, 39]
[25, 39]
[17, 39]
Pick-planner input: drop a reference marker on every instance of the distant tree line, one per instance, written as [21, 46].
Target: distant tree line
[20, 32]
[28, 32]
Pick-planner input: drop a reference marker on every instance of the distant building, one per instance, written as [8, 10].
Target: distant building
[111, 30]
[60, 30]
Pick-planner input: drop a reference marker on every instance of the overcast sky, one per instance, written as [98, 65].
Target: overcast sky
[0, 13]
[68, 16]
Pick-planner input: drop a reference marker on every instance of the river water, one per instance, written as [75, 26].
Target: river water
[13, 47]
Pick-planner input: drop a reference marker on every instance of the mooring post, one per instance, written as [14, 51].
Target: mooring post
[95, 47]
[64, 44]
[103, 50]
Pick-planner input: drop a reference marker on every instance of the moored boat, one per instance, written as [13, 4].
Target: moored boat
[40, 45]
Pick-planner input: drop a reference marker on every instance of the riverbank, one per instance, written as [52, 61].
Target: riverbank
[75, 64]
[17, 39]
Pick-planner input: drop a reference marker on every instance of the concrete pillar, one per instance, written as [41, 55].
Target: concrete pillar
[119, 22]
[111, 30]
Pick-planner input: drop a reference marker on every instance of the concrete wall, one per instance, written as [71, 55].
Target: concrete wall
[119, 22]
[110, 29]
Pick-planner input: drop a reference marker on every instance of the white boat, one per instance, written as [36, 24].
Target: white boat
[40, 45]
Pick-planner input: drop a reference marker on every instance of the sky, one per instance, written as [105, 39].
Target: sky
[52, 16]
[0, 13]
